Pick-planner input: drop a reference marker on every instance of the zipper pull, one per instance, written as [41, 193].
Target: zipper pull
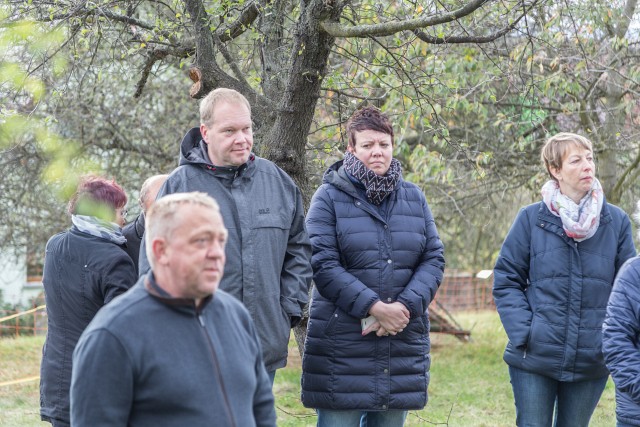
[201, 320]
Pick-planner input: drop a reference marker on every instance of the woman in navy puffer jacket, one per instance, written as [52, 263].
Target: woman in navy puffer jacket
[376, 252]
[552, 281]
[621, 342]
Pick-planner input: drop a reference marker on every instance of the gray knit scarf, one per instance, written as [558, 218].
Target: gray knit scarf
[378, 186]
[97, 227]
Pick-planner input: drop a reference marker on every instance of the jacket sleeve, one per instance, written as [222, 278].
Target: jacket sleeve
[101, 382]
[264, 412]
[296, 274]
[511, 278]
[626, 248]
[119, 276]
[427, 276]
[621, 329]
[332, 280]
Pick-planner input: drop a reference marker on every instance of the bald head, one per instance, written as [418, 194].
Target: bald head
[149, 191]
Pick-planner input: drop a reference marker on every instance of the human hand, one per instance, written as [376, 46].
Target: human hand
[393, 317]
[382, 332]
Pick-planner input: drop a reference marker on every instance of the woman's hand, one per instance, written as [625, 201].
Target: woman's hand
[393, 317]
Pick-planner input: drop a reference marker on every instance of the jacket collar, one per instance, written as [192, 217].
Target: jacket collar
[553, 223]
[138, 225]
[179, 304]
[339, 178]
[193, 151]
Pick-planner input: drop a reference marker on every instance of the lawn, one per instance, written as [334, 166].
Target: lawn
[469, 382]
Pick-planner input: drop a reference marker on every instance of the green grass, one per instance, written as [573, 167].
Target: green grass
[469, 382]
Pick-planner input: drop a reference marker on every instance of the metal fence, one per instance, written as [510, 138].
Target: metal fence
[464, 291]
[459, 291]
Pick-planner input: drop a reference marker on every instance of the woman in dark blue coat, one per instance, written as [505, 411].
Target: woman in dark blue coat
[376, 255]
[85, 267]
[552, 281]
[621, 341]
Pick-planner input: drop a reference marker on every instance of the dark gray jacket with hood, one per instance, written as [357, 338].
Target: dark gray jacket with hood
[268, 252]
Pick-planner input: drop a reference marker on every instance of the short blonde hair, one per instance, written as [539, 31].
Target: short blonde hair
[555, 149]
[161, 219]
[221, 94]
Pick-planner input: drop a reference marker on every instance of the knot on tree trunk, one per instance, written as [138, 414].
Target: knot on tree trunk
[196, 76]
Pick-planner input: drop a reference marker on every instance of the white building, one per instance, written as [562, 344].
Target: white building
[15, 288]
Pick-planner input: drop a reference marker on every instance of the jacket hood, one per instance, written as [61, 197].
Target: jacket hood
[337, 176]
[193, 150]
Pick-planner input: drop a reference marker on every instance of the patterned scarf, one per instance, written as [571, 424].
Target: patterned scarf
[378, 186]
[580, 221]
[97, 227]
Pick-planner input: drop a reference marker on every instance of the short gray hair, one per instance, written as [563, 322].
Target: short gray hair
[161, 219]
[146, 186]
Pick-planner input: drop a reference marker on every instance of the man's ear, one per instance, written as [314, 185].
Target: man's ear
[159, 249]
[204, 131]
[350, 149]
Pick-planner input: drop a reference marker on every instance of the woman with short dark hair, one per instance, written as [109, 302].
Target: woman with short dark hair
[377, 262]
[85, 267]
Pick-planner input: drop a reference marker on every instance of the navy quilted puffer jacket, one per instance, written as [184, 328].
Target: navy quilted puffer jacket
[363, 254]
[551, 292]
[621, 342]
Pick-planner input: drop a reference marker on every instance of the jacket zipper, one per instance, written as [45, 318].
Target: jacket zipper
[217, 370]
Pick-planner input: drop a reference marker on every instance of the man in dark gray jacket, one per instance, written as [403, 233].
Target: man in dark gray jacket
[268, 252]
[174, 350]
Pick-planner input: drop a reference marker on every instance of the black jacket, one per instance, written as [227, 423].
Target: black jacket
[81, 274]
[134, 231]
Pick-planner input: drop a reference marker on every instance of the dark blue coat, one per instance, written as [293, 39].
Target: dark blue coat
[621, 343]
[552, 292]
[363, 254]
[151, 360]
[81, 274]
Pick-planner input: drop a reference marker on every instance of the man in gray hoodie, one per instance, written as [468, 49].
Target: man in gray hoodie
[268, 251]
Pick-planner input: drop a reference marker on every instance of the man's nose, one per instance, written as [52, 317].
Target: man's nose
[216, 250]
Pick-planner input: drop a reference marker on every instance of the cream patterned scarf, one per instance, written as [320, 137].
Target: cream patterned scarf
[580, 221]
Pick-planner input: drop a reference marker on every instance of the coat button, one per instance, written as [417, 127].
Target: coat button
[389, 261]
[384, 407]
[357, 203]
[385, 226]
[335, 315]
[386, 371]
[388, 299]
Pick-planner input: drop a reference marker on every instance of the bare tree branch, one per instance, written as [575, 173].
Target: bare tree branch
[472, 39]
[155, 55]
[81, 11]
[336, 29]
[239, 26]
